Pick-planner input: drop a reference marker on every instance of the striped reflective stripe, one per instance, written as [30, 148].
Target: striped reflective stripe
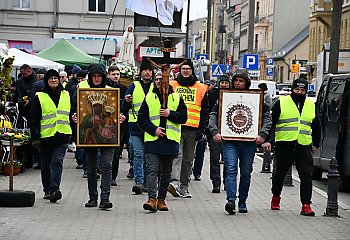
[305, 132]
[63, 122]
[193, 114]
[305, 123]
[137, 105]
[288, 120]
[154, 118]
[193, 107]
[63, 112]
[173, 128]
[287, 129]
[46, 126]
[48, 116]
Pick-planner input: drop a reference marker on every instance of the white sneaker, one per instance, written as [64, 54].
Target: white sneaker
[173, 189]
[184, 193]
[72, 147]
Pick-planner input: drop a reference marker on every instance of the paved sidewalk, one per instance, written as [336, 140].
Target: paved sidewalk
[202, 217]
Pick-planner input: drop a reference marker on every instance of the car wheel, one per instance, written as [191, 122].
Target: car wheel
[316, 173]
[17, 198]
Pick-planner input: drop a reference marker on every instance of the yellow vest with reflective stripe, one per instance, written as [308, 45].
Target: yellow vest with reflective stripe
[84, 84]
[137, 98]
[173, 130]
[54, 119]
[192, 96]
[293, 126]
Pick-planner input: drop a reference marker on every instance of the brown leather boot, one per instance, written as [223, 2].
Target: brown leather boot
[150, 205]
[161, 205]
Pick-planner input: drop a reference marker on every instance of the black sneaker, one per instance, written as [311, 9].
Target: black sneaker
[242, 207]
[230, 208]
[85, 174]
[197, 177]
[105, 204]
[114, 182]
[131, 173]
[47, 196]
[91, 203]
[137, 189]
[216, 190]
[55, 196]
[79, 167]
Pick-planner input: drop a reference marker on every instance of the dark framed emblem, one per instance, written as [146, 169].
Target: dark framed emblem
[240, 114]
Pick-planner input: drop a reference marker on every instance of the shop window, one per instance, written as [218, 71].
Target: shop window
[21, 4]
[97, 5]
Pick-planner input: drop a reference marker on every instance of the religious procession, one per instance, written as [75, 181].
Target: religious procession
[132, 102]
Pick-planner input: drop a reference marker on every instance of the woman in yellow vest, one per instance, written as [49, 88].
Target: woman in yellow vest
[297, 136]
[162, 138]
[50, 130]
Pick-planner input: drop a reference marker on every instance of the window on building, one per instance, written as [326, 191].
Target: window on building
[257, 8]
[97, 5]
[21, 3]
[204, 35]
[256, 41]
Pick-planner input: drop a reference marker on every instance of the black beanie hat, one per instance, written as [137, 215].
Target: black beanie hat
[146, 65]
[50, 73]
[243, 73]
[41, 71]
[81, 73]
[300, 83]
[224, 77]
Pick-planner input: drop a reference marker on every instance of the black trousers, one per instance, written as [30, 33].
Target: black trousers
[287, 153]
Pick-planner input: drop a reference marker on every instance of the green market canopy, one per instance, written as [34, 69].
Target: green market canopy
[65, 53]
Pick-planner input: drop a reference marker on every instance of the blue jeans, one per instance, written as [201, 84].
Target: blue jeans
[51, 166]
[245, 152]
[139, 159]
[199, 157]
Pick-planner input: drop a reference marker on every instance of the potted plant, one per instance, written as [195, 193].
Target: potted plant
[6, 168]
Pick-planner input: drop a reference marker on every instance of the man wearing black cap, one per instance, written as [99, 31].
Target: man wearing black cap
[297, 136]
[133, 99]
[50, 130]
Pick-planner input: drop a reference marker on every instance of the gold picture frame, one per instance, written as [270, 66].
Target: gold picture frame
[240, 114]
[98, 117]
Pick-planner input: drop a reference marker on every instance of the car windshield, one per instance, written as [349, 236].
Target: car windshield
[281, 86]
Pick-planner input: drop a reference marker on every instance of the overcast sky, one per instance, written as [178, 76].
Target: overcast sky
[198, 9]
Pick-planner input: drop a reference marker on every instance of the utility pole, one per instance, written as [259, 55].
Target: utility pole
[207, 51]
[187, 28]
[335, 36]
[251, 26]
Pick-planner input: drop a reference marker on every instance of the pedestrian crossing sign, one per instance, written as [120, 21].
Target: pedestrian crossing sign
[217, 69]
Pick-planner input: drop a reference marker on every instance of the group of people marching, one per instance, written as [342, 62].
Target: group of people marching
[162, 138]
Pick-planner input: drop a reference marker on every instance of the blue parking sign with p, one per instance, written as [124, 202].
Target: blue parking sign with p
[269, 61]
[251, 61]
[269, 71]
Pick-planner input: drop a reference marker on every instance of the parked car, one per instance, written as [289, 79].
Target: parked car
[333, 110]
[271, 86]
[284, 88]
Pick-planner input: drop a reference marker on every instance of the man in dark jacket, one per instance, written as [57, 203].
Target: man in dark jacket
[97, 79]
[162, 137]
[237, 150]
[297, 136]
[133, 99]
[50, 129]
[113, 76]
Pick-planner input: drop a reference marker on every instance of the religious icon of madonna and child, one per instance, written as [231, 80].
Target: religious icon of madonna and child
[98, 117]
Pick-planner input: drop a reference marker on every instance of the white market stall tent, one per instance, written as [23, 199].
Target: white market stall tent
[32, 60]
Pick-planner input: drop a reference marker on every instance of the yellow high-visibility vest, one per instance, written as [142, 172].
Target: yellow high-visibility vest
[293, 126]
[173, 130]
[54, 119]
[137, 98]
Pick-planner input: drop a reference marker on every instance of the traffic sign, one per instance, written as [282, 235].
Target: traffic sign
[217, 69]
[311, 87]
[251, 61]
[269, 62]
[190, 51]
[202, 56]
[295, 68]
[269, 72]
